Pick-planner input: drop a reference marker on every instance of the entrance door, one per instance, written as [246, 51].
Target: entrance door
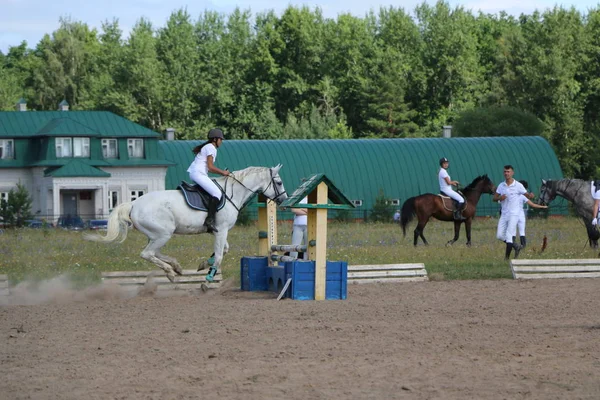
[69, 201]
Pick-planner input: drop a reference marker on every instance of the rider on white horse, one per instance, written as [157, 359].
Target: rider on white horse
[204, 162]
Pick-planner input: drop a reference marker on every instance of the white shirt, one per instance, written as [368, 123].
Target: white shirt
[199, 164]
[595, 194]
[442, 175]
[524, 201]
[512, 204]
[301, 219]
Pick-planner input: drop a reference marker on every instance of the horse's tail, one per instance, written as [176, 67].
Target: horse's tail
[118, 222]
[407, 213]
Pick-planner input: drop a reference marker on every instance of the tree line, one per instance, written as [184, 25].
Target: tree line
[389, 74]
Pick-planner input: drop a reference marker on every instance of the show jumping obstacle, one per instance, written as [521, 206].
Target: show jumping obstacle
[543, 269]
[316, 278]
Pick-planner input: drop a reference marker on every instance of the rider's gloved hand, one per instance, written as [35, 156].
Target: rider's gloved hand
[595, 221]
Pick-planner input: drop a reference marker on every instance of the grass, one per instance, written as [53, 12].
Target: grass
[36, 254]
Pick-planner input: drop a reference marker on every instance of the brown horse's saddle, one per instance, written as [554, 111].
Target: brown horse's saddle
[449, 202]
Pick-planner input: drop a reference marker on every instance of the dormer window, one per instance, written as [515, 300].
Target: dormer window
[7, 149]
[72, 147]
[135, 148]
[109, 148]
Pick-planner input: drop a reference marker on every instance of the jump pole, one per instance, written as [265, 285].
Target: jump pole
[317, 234]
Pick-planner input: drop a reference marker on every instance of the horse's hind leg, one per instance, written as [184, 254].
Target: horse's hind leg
[419, 233]
[150, 253]
[172, 261]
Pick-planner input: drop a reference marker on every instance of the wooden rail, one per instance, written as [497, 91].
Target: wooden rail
[387, 273]
[556, 268]
[190, 279]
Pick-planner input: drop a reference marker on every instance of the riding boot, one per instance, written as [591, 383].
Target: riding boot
[523, 242]
[509, 248]
[210, 218]
[517, 248]
[457, 211]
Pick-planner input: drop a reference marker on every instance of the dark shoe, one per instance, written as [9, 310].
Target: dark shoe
[508, 250]
[517, 248]
[523, 242]
[210, 218]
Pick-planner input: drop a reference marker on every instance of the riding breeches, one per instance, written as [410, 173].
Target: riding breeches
[455, 196]
[207, 184]
[299, 236]
[507, 227]
[521, 224]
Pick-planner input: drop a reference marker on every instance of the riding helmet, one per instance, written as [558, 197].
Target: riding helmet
[215, 133]
[443, 160]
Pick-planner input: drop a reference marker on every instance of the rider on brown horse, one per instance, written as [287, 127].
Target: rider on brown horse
[446, 189]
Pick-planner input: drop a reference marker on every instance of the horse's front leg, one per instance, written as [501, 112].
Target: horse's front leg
[456, 233]
[219, 247]
[468, 230]
[211, 260]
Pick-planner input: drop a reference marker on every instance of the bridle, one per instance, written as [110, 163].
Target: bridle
[254, 192]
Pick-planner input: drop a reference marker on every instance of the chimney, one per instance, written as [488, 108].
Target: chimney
[63, 106]
[21, 105]
[447, 131]
[170, 133]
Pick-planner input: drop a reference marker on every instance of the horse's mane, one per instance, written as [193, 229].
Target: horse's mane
[242, 173]
[475, 182]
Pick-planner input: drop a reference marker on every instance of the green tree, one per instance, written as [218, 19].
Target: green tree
[497, 121]
[17, 209]
[382, 211]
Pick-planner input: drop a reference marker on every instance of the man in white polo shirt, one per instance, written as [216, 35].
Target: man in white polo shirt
[508, 194]
[596, 196]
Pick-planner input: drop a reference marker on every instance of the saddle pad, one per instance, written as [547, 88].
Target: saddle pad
[197, 201]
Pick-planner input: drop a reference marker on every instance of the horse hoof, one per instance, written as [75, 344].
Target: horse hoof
[468, 244]
[178, 271]
[450, 243]
[171, 277]
[203, 265]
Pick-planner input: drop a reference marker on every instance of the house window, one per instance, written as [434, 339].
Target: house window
[81, 147]
[135, 148]
[86, 195]
[3, 197]
[393, 202]
[109, 148]
[136, 194]
[63, 147]
[72, 147]
[357, 203]
[7, 149]
[113, 199]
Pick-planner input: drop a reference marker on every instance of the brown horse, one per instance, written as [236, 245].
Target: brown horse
[430, 205]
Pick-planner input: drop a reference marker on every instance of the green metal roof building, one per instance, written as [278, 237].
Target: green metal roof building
[401, 168]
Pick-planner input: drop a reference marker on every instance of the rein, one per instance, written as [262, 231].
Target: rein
[254, 192]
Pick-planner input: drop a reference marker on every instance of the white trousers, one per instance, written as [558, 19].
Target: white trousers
[507, 228]
[299, 236]
[455, 196]
[521, 224]
[207, 184]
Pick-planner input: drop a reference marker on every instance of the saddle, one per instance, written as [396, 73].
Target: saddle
[197, 198]
[452, 203]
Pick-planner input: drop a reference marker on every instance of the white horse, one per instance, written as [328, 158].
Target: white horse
[161, 214]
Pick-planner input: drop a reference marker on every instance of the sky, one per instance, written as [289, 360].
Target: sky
[29, 20]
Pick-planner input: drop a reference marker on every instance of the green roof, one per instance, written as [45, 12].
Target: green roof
[334, 195]
[401, 168]
[21, 124]
[76, 168]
